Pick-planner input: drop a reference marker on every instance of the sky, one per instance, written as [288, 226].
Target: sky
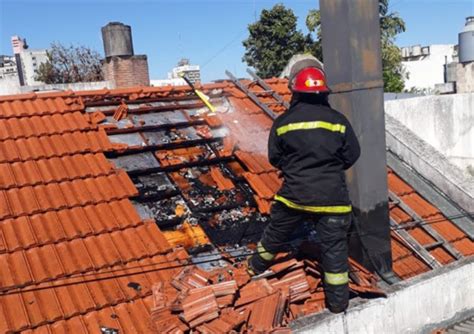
[208, 32]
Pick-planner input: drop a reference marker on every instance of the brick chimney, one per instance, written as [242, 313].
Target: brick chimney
[121, 66]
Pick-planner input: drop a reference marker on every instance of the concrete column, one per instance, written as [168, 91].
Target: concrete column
[353, 64]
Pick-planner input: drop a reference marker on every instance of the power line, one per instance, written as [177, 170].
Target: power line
[239, 35]
[8, 291]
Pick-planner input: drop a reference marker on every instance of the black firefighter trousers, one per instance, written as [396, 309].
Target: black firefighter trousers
[332, 234]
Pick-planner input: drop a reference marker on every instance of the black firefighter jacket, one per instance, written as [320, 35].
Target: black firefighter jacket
[313, 145]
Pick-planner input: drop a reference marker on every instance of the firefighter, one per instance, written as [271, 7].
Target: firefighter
[312, 145]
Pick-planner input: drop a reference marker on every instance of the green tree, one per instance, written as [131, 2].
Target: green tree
[70, 64]
[273, 40]
[313, 23]
[390, 26]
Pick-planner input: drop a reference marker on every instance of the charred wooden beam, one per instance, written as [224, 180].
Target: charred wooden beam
[173, 168]
[152, 128]
[167, 146]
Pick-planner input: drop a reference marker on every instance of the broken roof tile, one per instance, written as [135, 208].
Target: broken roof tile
[266, 313]
[199, 307]
[254, 291]
[223, 183]
[259, 186]
[256, 163]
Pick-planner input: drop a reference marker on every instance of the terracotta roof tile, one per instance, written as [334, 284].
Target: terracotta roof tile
[222, 182]
[264, 313]
[16, 128]
[465, 246]
[399, 216]
[53, 146]
[398, 186]
[254, 291]
[256, 163]
[41, 104]
[420, 206]
[421, 236]
[76, 297]
[258, 184]
[441, 255]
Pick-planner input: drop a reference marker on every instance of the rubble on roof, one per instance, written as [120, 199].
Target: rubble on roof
[226, 298]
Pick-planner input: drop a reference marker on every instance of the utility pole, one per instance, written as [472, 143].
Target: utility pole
[353, 64]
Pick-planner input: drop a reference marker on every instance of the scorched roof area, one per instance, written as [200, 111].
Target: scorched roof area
[131, 210]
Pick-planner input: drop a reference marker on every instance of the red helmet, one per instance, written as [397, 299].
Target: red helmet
[309, 80]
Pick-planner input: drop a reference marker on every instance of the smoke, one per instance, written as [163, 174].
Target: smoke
[248, 132]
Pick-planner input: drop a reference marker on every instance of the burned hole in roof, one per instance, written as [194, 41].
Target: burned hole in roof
[166, 117]
[182, 163]
[240, 226]
[170, 135]
[135, 162]
[184, 156]
[155, 186]
[130, 139]
[121, 124]
[209, 189]
[166, 212]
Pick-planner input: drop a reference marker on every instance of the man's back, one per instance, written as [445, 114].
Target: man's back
[312, 145]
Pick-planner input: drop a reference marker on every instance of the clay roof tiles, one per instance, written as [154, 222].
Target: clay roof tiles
[70, 240]
[75, 254]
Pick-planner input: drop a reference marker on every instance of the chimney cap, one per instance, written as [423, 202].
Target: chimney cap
[116, 23]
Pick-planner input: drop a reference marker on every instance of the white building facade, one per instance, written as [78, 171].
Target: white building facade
[8, 67]
[29, 61]
[192, 72]
[425, 65]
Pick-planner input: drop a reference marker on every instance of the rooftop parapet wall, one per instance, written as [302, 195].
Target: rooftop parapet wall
[411, 305]
[446, 122]
[430, 163]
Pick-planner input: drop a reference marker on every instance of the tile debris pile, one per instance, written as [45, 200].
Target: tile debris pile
[105, 196]
[227, 300]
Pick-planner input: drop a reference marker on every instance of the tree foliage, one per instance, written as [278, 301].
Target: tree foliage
[313, 23]
[273, 40]
[70, 64]
[391, 24]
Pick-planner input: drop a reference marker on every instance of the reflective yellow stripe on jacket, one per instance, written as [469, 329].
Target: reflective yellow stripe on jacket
[311, 125]
[316, 209]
